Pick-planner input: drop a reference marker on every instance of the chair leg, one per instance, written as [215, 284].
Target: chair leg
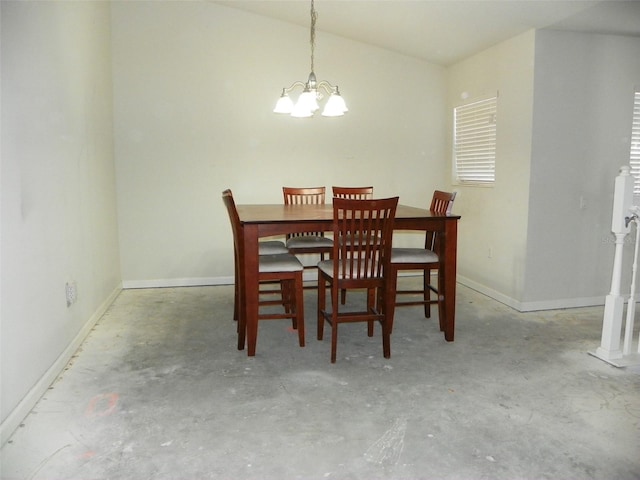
[441, 307]
[238, 307]
[288, 289]
[441, 311]
[236, 287]
[242, 325]
[426, 280]
[389, 295]
[371, 307]
[386, 338]
[334, 325]
[334, 337]
[389, 305]
[235, 300]
[299, 307]
[236, 304]
[343, 297]
[322, 303]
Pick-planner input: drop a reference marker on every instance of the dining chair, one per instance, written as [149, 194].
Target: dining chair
[265, 247]
[361, 264]
[307, 242]
[425, 259]
[283, 268]
[354, 193]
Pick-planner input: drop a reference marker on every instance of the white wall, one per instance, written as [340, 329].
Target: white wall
[564, 122]
[195, 84]
[493, 230]
[583, 109]
[58, 191]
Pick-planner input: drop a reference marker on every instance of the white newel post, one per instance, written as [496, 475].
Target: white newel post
[624, 213]
[609, 348]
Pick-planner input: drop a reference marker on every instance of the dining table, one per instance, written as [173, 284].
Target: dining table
[267, 220]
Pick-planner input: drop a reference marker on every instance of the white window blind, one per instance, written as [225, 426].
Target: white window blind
[474, 142]
[634, 161]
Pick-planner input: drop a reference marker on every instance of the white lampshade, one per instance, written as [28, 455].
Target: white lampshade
[306, 105]
[335, 106]
[300, 110]
[310, 100]
[284, 104]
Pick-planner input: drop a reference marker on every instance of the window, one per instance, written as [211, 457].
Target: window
[634, 161]
[474, 142]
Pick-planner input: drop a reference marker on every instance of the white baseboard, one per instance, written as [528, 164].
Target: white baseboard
[17, 416]
[177, 282]
[531, 306]
[311, 276]
[561, 303]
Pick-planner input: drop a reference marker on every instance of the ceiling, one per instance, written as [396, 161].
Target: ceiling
[446, 31]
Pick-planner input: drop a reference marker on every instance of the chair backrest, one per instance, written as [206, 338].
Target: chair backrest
[442, 203]
[354, 193]
[305, 195]
[362, 232]
[227, 198]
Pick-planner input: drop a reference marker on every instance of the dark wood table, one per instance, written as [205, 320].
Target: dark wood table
[259, 221]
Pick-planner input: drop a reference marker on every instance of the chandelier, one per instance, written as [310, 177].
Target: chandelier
[312, 91]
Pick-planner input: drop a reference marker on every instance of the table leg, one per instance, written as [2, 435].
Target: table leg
[450, 247]
[250, 286]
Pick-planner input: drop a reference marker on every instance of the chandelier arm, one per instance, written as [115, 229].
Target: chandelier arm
[326, 86]
[294, 85]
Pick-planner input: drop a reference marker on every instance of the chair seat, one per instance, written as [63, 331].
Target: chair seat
[413, 255]
[272, 247]
[284, 262]
[309, 241]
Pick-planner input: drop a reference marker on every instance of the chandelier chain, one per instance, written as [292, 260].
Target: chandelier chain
[314, 16]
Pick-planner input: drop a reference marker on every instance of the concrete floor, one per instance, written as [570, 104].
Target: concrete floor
[159, 391]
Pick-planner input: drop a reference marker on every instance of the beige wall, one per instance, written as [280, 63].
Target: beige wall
[194, 87]
[58, 191]
[493, 231]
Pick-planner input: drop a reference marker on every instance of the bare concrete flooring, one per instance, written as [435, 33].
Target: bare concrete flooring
[159, 391]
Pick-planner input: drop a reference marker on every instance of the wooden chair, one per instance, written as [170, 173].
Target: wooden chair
[425, 259]
[354, 193]
[359, 264]
[307, 242]
[266, 247]
[283, 268]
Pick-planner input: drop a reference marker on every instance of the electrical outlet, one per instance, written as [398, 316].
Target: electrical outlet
[71, 290]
